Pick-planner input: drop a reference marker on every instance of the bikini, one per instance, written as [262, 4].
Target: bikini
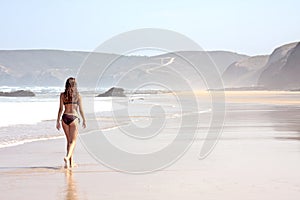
[69, 118]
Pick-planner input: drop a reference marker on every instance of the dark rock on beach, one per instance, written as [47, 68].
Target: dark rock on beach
[18, 93]
[113, 92]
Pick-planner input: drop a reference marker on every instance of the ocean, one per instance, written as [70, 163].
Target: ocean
[29, 119]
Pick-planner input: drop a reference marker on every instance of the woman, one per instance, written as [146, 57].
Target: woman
[71, 101]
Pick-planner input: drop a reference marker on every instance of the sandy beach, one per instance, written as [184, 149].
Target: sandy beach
[257, 157]
[139, 100]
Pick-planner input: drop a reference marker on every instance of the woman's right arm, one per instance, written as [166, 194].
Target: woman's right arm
[60, 109]
[81, 112]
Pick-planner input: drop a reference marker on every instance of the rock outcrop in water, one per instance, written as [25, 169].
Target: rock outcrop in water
[18, 93]
[113, 92]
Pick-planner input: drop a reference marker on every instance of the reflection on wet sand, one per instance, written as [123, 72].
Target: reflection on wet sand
[279, 108]
[286, 118]
[71, 189]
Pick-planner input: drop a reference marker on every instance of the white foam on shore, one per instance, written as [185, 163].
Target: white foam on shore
[12, 143]
[34, 110]
[13, 113]
[16, 142]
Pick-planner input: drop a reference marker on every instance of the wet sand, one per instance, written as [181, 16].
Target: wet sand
[257, 157]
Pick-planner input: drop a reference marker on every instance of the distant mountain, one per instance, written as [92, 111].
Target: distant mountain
[244, 73]
[5, 77]
[221, 59]
[52, 67]
[179, 70]
[38, 67]
[279, 71]
[283, 68]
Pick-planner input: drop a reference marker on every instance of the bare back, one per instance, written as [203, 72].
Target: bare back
[69, 107]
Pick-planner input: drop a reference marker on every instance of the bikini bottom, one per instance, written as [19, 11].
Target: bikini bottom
[68, 119]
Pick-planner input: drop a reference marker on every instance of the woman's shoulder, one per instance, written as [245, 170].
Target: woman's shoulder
[62, 94]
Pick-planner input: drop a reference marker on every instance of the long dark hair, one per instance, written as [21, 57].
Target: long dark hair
[71, 92]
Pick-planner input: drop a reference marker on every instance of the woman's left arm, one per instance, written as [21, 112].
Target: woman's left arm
[60, 109]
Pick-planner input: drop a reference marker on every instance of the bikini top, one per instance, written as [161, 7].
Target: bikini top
[71, 102]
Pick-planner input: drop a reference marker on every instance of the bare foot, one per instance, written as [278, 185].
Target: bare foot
[67, 163]
[73, 164]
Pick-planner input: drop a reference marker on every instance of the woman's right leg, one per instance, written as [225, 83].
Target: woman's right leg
[67, 133]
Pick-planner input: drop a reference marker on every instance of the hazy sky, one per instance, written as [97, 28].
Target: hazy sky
[250, 27]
